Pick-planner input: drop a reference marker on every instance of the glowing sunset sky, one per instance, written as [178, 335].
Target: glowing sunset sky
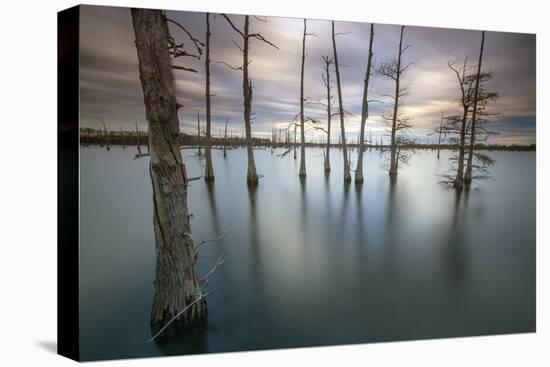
[110, 86]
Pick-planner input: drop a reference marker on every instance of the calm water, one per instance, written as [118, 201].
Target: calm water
[312, 263]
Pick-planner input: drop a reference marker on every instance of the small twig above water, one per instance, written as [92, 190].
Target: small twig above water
[211, 240]
[218, 263]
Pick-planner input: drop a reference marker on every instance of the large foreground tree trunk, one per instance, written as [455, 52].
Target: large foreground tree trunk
[302, 118]
[364, 112]
[468, 174]
[209, 170]
[176, 282]
[347, 175]
[393, 147]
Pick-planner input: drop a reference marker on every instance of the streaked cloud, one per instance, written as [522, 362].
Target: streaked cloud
[110, 86]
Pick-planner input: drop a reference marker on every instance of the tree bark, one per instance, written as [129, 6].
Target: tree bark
[177, 284]
[459, 179]
[209, 170]
[251, 176]
[347, 175]
[329, 114]
[468, 174]
[199, 133]
[137, 137]
[364, 112]
[225, 140]
[295, 143]
[393, 156]
[302, 118]
[439, 138]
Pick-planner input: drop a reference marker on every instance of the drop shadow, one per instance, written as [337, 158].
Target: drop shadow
[48, 345]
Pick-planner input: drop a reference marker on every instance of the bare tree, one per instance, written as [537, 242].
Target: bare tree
[303, 118]
[326, 80]
[439, 136]
[458, 126]
[295, 141]
[468, 173]
[122, 141]
[137, 139]
[209, 170]
[251, 176]
[364, 111]
[347, 175]
[105, 134]
[199, 134]
[178, 299]
[394, 70]
[457, 123]
[225, 139]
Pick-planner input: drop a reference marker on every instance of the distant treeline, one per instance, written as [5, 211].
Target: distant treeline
[131, 138]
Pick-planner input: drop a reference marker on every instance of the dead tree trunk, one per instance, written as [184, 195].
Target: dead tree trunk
[364, 112]
[209, 170]
[468, 174]
[439, 138]
[295, 141]
[393, 156]
[105, 136]
[122, 141]
[225, 139]
[347, 175]
[137, 139]
[251, 175]
[459, 178]
[328, 62]
[177, 284]
[199, 134]
[302, 118]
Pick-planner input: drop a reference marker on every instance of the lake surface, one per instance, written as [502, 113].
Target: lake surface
[311, 263]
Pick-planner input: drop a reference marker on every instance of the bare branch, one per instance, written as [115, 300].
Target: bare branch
[211, 239]
[177, 67]
[197, 43]
[233, 25]
[258, 36]
[218, 263]
[236, 68]
[239, 47]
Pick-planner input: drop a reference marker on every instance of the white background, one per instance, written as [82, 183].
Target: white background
[28, 183]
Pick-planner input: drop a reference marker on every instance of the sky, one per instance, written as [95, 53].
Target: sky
[110, 88]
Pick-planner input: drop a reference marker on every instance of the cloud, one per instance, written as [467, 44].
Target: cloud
[110, 86]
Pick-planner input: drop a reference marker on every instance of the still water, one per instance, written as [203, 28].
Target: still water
[311, 263]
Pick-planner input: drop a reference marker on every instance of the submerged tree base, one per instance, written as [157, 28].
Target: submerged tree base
[252, 180]
[165, 327]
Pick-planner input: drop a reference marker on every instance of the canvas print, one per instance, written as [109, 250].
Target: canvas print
[251, 182]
